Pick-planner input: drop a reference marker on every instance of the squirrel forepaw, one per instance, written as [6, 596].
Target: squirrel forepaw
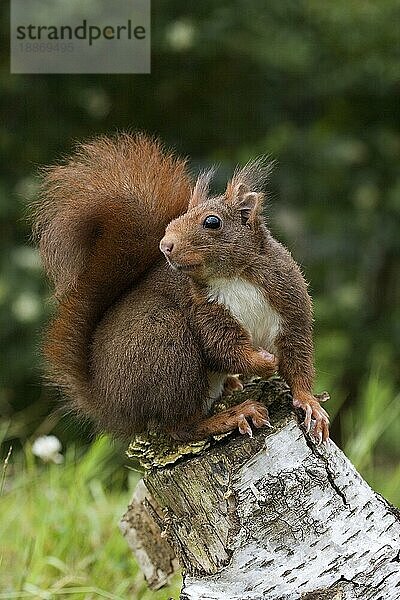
[314, 412]
[232, 384]
[265, 363]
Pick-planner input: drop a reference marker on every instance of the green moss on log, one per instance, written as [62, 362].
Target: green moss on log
[156, 449]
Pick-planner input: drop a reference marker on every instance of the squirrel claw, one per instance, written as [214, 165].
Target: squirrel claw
[314, 413]
[307, 420]
[252, 411]
[244, 426]
[261, 422]
[318, 438]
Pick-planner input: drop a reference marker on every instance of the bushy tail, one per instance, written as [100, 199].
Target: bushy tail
[98, 221]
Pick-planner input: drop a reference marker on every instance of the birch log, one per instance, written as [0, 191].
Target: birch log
[269, 517]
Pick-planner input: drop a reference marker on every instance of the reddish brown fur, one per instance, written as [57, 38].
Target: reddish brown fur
[99, 221]
[244, 248]
[133, 342]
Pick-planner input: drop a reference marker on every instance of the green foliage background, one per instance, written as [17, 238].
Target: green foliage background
[316, 84]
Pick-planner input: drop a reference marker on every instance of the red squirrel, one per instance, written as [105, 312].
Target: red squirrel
[139, 342]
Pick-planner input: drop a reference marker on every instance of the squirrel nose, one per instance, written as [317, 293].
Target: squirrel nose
[166, 246]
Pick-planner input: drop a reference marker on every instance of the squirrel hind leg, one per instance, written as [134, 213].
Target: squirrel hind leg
[240, 417]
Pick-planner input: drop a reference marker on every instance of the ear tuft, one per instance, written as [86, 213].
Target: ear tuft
[202, 187]
[240, 192]
[250, 178]
[255, 173]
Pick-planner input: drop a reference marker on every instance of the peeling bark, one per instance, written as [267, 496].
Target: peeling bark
[272, 516]
[142, 527]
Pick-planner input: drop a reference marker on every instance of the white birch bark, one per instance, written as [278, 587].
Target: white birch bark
[272, 517]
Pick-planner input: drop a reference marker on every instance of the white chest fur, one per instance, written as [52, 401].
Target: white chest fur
[249, 305]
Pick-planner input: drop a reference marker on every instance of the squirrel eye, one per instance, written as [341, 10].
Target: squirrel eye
[212, 222]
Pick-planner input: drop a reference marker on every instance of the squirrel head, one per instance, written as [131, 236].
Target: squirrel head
[220, 236]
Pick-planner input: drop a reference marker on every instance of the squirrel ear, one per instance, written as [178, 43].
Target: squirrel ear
[249, 205]
[247, 202]
[201, 188]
